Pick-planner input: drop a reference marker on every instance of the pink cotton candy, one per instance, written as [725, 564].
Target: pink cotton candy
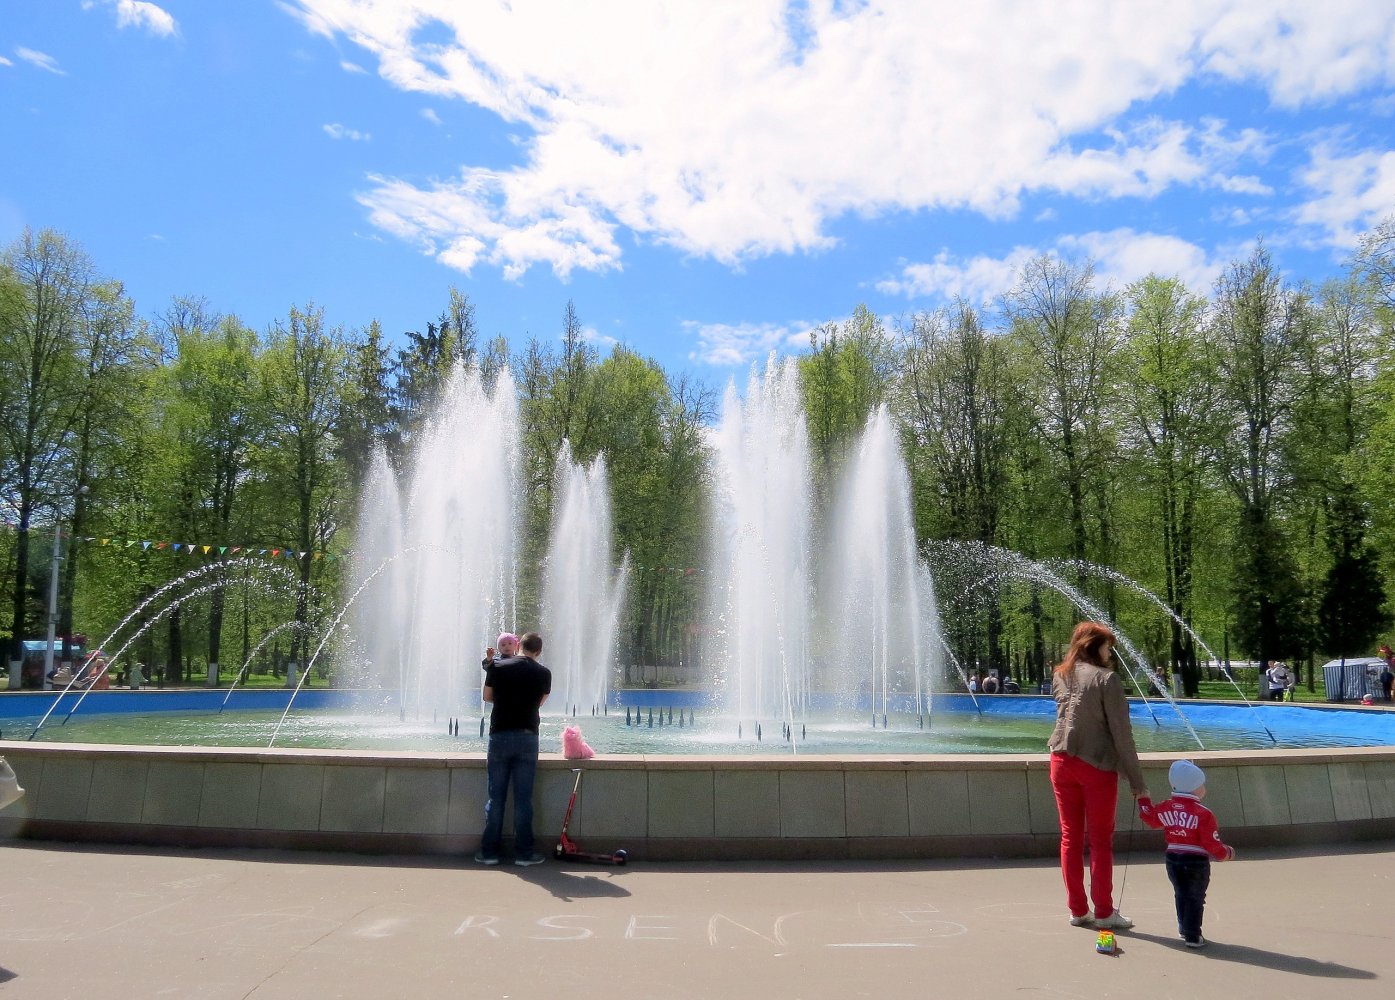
[573, 746]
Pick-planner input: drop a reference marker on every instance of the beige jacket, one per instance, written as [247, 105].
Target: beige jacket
[1092, 722]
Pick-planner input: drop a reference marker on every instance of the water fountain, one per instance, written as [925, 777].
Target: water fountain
[887, 640]
[761, 559]
[819, 624]
[381, 648]
[427, 623]
[582, 590]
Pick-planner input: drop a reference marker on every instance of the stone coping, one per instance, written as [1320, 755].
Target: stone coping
[670, 807]
[693, 762]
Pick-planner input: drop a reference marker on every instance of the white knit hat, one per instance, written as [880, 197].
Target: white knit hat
[1185, 776]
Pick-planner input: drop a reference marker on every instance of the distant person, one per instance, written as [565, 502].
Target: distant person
[1011, 686]
[508, 646]
[990, 684]
[1192, 841]
[973, 684]
[1278, 679]
[517, 687]
[1387, 673]
[1092, 742]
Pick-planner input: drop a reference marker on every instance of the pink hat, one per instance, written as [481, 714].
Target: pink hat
[505, 637]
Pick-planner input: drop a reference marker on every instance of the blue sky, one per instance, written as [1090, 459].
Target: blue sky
[706, 181]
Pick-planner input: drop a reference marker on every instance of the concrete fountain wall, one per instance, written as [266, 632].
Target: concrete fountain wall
[657, 807]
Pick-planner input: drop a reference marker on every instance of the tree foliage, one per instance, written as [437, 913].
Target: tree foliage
[1230, 449]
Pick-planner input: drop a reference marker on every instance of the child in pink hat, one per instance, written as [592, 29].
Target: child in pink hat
[508, 646]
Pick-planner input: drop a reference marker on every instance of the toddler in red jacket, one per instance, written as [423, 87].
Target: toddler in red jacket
[1192, 841]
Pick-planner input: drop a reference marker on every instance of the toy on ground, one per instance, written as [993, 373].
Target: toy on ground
[1105, 944]
[567, 849]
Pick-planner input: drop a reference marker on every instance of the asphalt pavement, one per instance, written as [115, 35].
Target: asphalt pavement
[92, 923]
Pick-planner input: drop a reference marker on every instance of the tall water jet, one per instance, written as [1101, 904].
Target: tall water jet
[459, 542]
[379, 654]
[759, 589]
[886, 645]
[582, 591]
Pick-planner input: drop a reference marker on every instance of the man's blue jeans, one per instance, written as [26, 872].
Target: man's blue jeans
[512, 760]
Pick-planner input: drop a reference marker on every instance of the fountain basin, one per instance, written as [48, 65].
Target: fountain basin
[660, 806]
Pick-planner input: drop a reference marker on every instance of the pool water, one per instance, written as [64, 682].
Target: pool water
[1004, 726]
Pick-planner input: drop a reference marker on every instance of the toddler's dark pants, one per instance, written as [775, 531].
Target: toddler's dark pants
[1190, 875]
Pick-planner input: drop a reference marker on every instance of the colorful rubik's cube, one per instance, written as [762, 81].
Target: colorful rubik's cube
[1104, 944]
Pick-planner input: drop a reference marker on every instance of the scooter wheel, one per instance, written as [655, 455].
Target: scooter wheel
[557, 852]
[620, 857]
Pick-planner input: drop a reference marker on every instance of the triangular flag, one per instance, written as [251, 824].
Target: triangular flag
[89, 538]
[207, 547]
[160, 545]
[274, 552]
[177, 546]
[222, 549]
[236, 549]
[319, 555]
[300, 555]
[106, 541]
[145, 545]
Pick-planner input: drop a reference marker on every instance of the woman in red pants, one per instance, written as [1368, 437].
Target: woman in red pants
[1091, 743]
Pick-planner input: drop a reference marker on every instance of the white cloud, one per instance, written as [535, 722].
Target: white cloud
[1300, 51]
[467, 221]
[979, 279]
[5, 62]
[431, 116]
[737, 130]
[1120, 256]
[1123, 255]
[351, 67]
[336, 131]
[725, 345]
[139, 14]
[594, 336]
[40, 59]
[1354, 192]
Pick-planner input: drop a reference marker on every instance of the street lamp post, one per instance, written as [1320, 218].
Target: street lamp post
[52, 605]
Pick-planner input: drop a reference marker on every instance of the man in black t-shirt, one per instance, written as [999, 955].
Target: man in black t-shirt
[517, 688]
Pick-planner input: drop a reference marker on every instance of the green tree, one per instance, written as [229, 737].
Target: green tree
[304, 375]
[1071, 336]
[1172, 405]
[424, 365]
[45, 290]
[368, 418]
[1351, 612]
[216, 413]
[956, 404]
[114, 358]
[843, 378]
[1257, 327]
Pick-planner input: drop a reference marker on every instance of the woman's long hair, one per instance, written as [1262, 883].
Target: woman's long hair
[1087, 643]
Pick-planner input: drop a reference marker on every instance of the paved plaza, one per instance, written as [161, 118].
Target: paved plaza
[90, 922]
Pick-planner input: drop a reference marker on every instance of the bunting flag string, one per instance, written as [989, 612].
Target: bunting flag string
[200, 548]
[196, 549]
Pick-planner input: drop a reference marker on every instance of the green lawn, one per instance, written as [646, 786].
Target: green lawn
[1225, 691]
